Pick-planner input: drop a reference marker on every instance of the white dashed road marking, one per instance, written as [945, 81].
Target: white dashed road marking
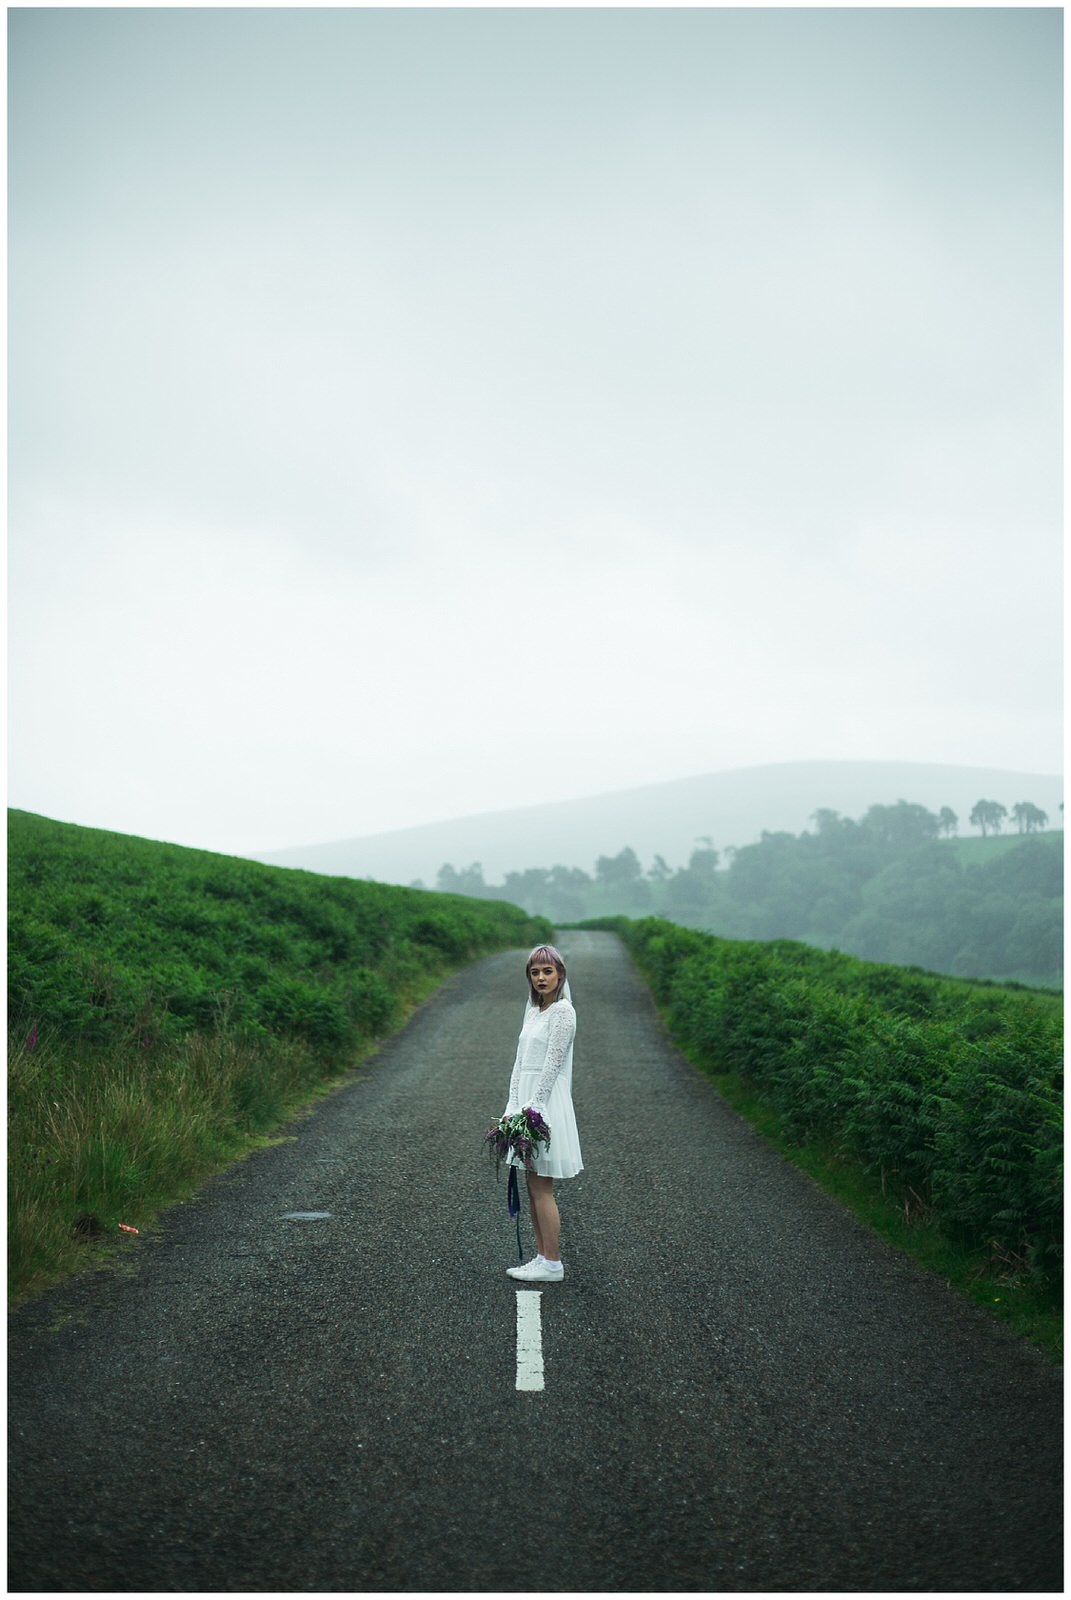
[529, 1340]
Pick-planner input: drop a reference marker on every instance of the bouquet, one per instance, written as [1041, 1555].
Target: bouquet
[523, 1134]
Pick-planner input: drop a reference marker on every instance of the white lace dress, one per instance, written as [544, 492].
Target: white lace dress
[543, 1079]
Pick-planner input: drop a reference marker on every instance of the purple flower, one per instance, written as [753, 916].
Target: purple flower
[521, 1135]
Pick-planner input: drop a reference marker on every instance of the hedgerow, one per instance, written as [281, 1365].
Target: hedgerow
[167, 1006]
[950, 1091]
[111, 936]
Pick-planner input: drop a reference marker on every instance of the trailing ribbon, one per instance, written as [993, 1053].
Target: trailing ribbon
[513, 1204]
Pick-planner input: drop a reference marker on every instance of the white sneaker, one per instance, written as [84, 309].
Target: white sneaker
[513, 1271]
[539, 1272]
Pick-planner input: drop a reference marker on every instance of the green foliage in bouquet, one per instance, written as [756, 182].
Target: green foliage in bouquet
[524, 1135]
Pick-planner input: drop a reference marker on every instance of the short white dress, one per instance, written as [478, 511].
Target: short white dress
[543, 1079]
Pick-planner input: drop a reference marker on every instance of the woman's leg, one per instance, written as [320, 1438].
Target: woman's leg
[534, 1214]
[546, 1222]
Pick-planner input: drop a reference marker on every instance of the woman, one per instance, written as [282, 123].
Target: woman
[543, 1080]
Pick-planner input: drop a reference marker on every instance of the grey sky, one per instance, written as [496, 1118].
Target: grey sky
[417, 413]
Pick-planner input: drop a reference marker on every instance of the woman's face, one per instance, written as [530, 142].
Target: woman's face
[544, 978]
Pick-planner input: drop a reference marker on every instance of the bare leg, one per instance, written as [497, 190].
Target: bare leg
[534, 1214]
[546, 1222]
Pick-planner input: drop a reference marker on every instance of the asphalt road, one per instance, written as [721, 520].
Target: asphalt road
[744, 1390]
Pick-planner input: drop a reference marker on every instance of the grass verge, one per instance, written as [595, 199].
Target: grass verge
[111, 1137]
[170, 1009]
[931, 1106]
[1001, 1286]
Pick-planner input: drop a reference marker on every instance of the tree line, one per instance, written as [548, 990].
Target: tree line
[897, 886]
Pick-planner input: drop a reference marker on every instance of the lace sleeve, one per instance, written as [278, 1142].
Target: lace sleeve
[562, 1029]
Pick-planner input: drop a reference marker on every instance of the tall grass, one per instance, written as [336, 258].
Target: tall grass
[99, 1136]
[170, 1008]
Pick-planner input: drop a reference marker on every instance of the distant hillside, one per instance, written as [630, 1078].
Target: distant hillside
[731, 808]
[892, 886]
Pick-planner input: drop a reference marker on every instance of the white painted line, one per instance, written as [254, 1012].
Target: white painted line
[529, 1340]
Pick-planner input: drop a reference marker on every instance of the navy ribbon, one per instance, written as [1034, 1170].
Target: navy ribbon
[513, 1203]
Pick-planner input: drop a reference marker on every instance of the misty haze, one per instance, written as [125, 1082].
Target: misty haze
[484, 479]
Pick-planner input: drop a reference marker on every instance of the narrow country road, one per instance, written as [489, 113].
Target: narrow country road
[743, 1390]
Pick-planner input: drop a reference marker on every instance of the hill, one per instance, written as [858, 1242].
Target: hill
[168, 1007]
[731, 808]
[110, 934]
[887, 887]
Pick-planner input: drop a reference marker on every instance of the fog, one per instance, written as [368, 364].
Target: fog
[423, 413]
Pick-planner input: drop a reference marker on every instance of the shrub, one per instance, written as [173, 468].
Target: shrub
[167, 1005]
[949, 1090]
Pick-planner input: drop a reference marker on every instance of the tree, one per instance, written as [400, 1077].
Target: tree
[687, 893]
[1037, 939]
[704, 860]
[947, 822]
[988, 814]
[468, 881]
[825, 820]
[658, 871]
[529, 889]
[1028, 818]
[903, 826]
[569, 887]
[1035, 867]
[620, 869]
[570, 880]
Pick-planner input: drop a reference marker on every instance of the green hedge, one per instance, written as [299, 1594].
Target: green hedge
[169, 1007]
[950, 1090]
[113, 939]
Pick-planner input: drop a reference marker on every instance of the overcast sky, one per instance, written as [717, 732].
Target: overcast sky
[419, 413]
